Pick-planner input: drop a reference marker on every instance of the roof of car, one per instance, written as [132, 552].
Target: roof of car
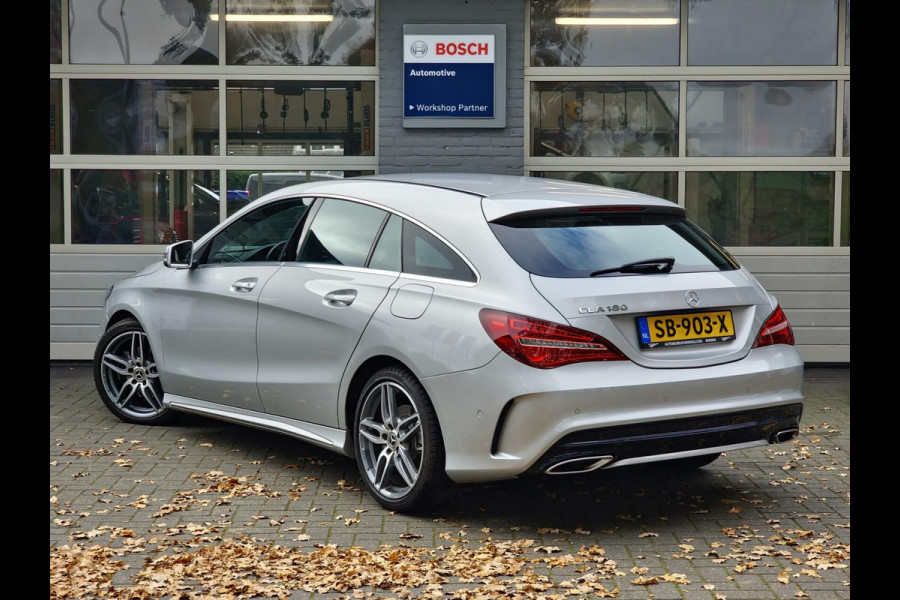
[493, 186]
[497, 196]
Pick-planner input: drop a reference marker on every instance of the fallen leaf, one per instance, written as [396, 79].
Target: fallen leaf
[676, 578]
[784, 577]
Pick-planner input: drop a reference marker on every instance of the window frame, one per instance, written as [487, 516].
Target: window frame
[682, 164]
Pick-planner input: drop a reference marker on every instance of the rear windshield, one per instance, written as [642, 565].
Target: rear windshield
[579, 245]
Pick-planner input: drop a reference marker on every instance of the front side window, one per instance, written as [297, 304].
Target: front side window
[143, 116]
[166, 32]
[581, 244]
[342, 233]
[259, 235]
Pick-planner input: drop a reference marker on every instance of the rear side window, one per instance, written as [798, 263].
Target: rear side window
[342, 233]
[424, 254]
[556, 244]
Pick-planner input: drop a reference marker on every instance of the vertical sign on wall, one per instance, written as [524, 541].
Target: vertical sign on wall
[454, 75]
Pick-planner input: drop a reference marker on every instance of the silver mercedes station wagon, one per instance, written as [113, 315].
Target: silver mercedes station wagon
[458, 328]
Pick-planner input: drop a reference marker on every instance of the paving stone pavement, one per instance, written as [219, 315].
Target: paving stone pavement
[763, 523]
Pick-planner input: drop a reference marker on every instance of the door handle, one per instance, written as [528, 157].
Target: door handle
[244, 285]
[340, 298]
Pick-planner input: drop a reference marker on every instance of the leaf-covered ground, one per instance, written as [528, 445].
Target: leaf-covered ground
[203, 509]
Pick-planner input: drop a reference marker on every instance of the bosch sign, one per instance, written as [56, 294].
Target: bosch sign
[450, 76]
[446, 48]
[452, 48]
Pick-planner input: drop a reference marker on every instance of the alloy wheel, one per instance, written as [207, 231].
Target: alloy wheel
[129, 375]
[390, 440]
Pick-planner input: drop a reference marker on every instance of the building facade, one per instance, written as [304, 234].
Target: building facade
[166, 116]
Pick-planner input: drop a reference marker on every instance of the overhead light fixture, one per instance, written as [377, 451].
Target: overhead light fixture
[615, 21]
[274, 18]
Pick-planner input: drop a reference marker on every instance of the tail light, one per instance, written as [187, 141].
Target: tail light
[542, 344]
[776, 330]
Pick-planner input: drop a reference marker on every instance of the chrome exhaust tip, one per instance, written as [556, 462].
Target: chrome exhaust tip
[784, 435]
[583, 464]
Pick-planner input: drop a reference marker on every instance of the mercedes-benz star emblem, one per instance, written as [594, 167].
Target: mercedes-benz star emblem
[692, 298]
[419, 49]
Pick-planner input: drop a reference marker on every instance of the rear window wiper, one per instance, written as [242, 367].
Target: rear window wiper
[649, 265]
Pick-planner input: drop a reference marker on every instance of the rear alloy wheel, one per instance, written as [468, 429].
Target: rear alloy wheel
[126, 376]
[398, 441]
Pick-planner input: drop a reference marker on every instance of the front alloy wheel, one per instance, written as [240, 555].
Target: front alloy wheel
[398, 442]
[126, 376]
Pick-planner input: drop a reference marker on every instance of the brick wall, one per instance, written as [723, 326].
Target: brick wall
[489, 150]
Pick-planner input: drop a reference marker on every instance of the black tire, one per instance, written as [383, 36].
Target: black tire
[126, 376]
[397, 441]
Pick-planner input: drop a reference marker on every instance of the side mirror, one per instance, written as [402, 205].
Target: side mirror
[180, 255]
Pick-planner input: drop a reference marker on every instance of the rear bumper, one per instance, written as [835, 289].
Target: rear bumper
[506, 419]
[645, 442]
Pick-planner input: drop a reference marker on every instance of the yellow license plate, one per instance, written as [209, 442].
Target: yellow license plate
[684, 329]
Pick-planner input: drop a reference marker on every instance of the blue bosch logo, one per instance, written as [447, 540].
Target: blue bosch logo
[419, 49]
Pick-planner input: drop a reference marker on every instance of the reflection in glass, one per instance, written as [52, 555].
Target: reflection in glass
[244, 186]
[119, 206]
[762, 32]
[300, 118]
[771, 208]
[55, 33]
[56, 206]
[604, 118]
[846, 118]
[55, 114]
[661, 184]
[144, 32]
[141, 116]
[591, 40]
[845, 208]
[762, 118]
[342, 233]
[847, 36]
[300, 32]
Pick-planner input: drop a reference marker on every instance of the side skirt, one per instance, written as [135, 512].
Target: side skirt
[325, 437]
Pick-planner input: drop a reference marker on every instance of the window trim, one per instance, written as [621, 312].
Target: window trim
[442, 239]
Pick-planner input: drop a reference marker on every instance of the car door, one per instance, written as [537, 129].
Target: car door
[313, 311]
[209, 314]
